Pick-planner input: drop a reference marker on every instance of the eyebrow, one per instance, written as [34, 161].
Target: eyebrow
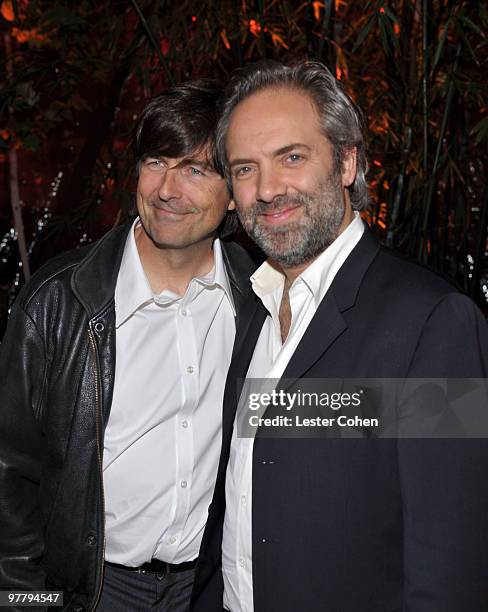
[193, 161]
[280, 151]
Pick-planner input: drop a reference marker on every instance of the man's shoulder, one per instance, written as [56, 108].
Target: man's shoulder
[56, 274]
[57, 270]
[404, 275]
[400, 287]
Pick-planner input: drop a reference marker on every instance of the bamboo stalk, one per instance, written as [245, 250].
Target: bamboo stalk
[14, 179]
[395, 209]
[262, 40]
[431, 184]
[325, 32]
[425, 108]
[236, 42]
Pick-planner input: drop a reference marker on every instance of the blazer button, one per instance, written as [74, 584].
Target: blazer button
[91, 540]
[99, 327]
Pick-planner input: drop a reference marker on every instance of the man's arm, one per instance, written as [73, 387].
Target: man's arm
[22, 377]
[445, 481]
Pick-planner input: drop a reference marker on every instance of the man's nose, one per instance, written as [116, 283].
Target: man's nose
[169, 186]
[270, 185]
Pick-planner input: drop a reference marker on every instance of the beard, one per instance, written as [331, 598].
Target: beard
[298, 242]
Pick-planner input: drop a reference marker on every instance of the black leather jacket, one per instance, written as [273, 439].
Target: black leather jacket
[57, 364]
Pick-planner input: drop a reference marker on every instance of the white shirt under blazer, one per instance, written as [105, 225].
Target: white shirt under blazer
[269, 360]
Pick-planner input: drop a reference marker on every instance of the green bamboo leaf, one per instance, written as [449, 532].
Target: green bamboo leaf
[481, 130]
[363, 34]
[152, 40]
[25, 95]
[483, 13]
[455, 169]
[32, 142]
[16, 10]
[388, 21]
[465, 40]
[384, 35]
[391, 14]
[470, 24]
[440, 45]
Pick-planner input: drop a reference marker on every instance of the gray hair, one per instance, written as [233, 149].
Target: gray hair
[340, 119]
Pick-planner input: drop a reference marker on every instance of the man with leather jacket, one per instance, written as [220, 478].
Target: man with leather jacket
[112, 374]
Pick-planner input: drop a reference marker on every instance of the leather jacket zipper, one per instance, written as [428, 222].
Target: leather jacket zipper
[98, 422]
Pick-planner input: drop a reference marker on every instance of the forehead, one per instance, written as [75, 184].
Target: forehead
[176, 154]
[271, 119]
[202, 156]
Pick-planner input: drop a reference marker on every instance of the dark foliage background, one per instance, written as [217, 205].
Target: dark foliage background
[75, 75]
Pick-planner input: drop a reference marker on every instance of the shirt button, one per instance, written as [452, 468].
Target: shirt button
[241, 561]
[185, 424]
[189, 369]
[184, 312]
[243, 499]
[184, 484]
[172, 540]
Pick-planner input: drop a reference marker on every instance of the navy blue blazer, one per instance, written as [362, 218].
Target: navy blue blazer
[365, 525]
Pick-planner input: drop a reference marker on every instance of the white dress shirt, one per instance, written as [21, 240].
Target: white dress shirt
[163, 438]
[270, 358]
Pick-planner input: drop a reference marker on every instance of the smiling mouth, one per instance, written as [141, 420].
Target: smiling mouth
[166, 210]
[278, 216]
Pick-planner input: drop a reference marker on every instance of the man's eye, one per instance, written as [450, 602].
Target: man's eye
[195, 171]
[154, 164]
[242, 171]
[295, 157]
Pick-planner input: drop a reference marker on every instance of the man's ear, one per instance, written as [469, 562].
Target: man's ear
[232, 205]
[348, 171]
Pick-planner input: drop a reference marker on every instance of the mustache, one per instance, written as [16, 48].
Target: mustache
[172, 206]
[280, 203]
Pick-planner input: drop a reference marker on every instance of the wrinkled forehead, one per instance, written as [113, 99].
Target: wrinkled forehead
[273, 118]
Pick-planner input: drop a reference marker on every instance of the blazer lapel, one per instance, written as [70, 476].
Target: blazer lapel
[240, 265]
[326, 325]
[249, 322]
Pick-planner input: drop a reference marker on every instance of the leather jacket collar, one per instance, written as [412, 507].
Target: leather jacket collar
[94, 279]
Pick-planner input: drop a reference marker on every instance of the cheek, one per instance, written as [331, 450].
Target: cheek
[145, 189]
[244, 193]
[139, 200]
[303, 179]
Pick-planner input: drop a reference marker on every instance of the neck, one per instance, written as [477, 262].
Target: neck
[173, 269]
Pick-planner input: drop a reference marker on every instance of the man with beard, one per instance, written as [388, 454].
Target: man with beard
[326, 524]
[112, 374]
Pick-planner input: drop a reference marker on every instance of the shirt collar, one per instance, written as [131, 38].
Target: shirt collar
[318, 276]
[133, 289]
[217, 277]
